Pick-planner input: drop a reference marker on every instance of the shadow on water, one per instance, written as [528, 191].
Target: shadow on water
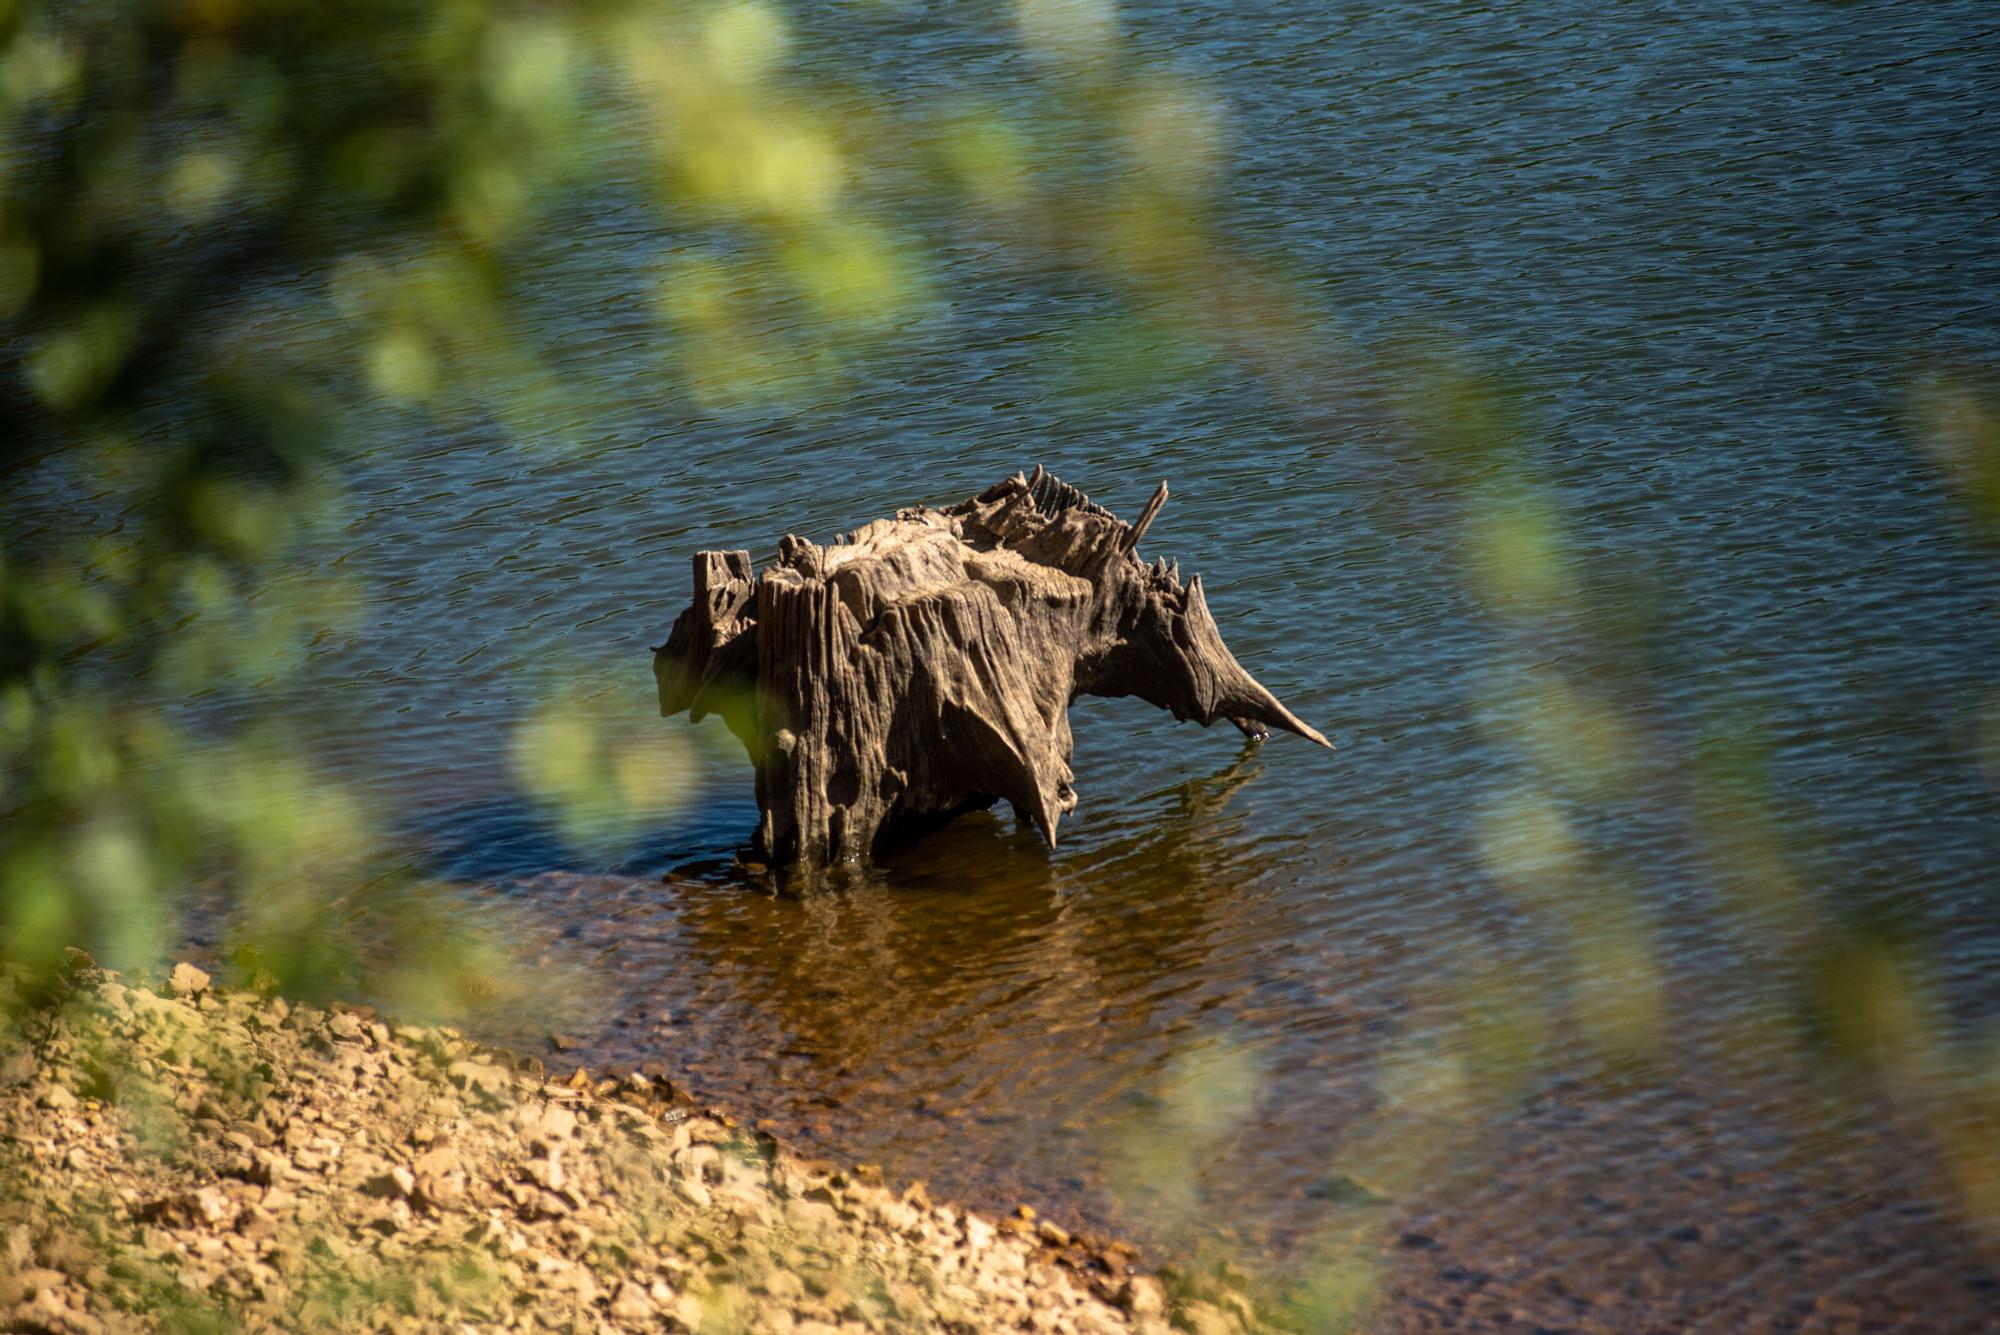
[507, 837]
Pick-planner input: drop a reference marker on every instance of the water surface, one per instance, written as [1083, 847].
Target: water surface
[1712, 248]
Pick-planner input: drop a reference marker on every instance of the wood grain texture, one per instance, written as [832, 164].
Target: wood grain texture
[923, 666]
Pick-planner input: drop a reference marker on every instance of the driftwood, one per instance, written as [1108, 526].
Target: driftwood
[924, 665]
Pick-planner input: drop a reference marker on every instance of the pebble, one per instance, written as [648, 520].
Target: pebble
[399, 1183]
[361, 1149]
[186, 981]
[632, 1303]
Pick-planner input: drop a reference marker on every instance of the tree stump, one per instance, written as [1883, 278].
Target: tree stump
[924, 666]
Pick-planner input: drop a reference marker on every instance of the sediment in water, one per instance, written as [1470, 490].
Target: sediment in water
[185, 1156]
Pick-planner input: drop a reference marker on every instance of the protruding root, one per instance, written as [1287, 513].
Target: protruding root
[1247, 699]
[1146, 518]
[1222, 688]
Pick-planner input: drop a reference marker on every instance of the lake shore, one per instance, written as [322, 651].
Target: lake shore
[184, 1156]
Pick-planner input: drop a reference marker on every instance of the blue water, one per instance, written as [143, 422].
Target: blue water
[1707, 255]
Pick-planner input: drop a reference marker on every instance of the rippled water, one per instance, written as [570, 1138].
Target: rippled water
[1713, 246]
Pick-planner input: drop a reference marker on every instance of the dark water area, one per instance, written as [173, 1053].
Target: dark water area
[1282, 1000]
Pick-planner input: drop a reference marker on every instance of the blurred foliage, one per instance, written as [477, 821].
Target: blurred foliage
[1838, 997]
[604, 781]
[225, 228]
[1202, 1099]
[1956, 419]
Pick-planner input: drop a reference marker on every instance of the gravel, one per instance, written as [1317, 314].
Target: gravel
[194, 1157]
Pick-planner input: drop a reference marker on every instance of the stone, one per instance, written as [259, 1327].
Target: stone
[687, 1310]
[390, 1218]
[186, 981]
[478, 1077]
[1200, 1318]
[205, 1206]
[547, 1171]
[632, 1303]
[255, 1223]
[399, 1183]
[923, 666]
[554, 1123]
[1142, 1296]
[896, 1214]
[527, 1210]
[440, 1176]
[210, 1207]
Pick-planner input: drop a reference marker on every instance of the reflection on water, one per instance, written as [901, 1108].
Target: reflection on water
[1163, 1037]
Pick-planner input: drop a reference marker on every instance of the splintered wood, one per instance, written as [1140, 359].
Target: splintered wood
[924, 665]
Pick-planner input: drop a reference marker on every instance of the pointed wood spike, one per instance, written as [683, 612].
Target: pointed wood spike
[1047, 825]
[1238, 695]
[1146, 518]
[1247, 698]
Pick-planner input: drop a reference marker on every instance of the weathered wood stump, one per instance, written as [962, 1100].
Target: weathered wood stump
[924, 665]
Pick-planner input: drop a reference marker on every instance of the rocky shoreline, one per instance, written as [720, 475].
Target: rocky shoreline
[188, 1157]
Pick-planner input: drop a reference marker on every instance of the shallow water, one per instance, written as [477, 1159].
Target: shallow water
[1714, 247]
